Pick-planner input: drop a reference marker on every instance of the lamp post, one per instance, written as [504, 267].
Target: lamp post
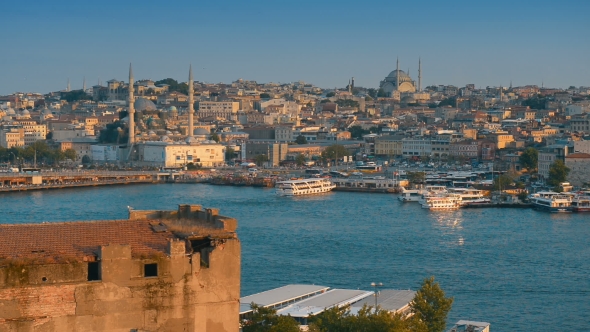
[376, 285]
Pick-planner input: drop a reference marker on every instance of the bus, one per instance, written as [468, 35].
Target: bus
[31, 170]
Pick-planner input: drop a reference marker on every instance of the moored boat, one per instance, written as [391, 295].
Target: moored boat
[581, 204]
[442, 202]
[411, 195]
[551, 201]
[304, 187]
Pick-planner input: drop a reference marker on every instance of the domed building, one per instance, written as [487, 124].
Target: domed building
[142, 104]
[399, 81]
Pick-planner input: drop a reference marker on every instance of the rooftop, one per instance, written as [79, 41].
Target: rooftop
[319, 303]
[279, 295]
[146, 232]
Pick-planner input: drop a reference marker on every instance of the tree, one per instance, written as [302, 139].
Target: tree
[529, 158]
[451, 101]
[70, 154]
[368, 319]
[301, 140]
[266, 320]
[416, 177]
[86, 159]
[431, 306]
[215, 137]
[335, 151]
[265, 96]
[558, 173]
[330, 94]
[173, 85]
[502, 181]
[372, 92]
[381, 93]
[300, 159]
[260, 159]
[75, 95]
[357, 132]
[230, 154]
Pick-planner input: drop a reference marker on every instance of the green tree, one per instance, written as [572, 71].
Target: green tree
[372, 92]
[381, 93]
[215, 137]
[75, 95]
[368, 319]
[502, 182]
[330, 94]
[301, 140]
[259, 159]
[347, 103]
[357, 132]
[451, 101]
[300, 159]
[529, 159]
[70, 154]
[558, 173]
[173, 85]
[431, 306]
[265, 95]
[230, 154]
[266, 320]
[334, 152]
[86, 159]
[416, 177]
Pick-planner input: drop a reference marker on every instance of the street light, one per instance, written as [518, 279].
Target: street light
[376, 285]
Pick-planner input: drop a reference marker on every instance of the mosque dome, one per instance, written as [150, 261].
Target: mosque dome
[168, 132]
[172, 109]
[403, 77]
[10, 111]
[191, 140]
[201, 132]
[142, 104]
[165, 139]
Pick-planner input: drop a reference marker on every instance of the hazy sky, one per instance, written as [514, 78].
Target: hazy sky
[321, 42]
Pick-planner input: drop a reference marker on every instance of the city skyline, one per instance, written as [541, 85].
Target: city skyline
[324, 44]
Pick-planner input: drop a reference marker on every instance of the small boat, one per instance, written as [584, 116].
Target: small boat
[552, 201]
[411, 195]
[471, 196]
[581, 204]
[304, 187]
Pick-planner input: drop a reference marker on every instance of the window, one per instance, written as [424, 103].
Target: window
[150, 270]
[94, 271]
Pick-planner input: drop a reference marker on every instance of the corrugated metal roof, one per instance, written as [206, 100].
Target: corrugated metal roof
[279, 295]
[319, 303]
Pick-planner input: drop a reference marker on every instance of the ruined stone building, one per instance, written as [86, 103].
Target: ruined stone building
[157, 271]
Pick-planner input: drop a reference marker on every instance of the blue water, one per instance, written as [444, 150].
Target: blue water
[518, 269]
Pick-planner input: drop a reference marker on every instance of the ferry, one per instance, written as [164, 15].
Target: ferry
[411, 195]
[471, 196]
[442, 202]
[581, 204]
[551, 201]
[432, 191]
[304, 187]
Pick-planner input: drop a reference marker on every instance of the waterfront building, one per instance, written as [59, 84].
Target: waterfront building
[388, 145]
[579, 165]
[419, 147]
[274, 152]
[156, 271]
[166, 153]
[12, 137]
[470, 326]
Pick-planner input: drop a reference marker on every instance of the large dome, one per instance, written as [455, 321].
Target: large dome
[142, 104]
[403, 77]
[201, 132]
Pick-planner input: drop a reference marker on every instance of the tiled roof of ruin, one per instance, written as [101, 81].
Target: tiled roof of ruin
[52, 241]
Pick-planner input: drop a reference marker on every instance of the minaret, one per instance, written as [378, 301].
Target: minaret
[352, 84]
[419, 75]
[68, 87]
[397, 75]
[191, 102]
[84, 84]
[131, 109]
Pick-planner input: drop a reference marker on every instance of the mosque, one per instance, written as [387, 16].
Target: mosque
[398, 82]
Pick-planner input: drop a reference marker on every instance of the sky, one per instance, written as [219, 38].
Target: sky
[325, 43]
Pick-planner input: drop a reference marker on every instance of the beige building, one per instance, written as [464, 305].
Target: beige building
[388, 146]
[12, 138]
[579, 165]
[220, 109]
[156, 271]
[502, 139]
[168, 154]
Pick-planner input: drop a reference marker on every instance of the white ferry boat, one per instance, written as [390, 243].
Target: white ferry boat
[411, 195]
[581, 203]
[432, 191]
[304, 187]
[442, 202]
[471, 196]
[551, 201]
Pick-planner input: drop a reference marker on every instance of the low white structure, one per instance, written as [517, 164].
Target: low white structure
[470, 326]
[172, 154]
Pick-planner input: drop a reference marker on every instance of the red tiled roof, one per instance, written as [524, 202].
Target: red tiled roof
[78, 240]
[578, 155]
